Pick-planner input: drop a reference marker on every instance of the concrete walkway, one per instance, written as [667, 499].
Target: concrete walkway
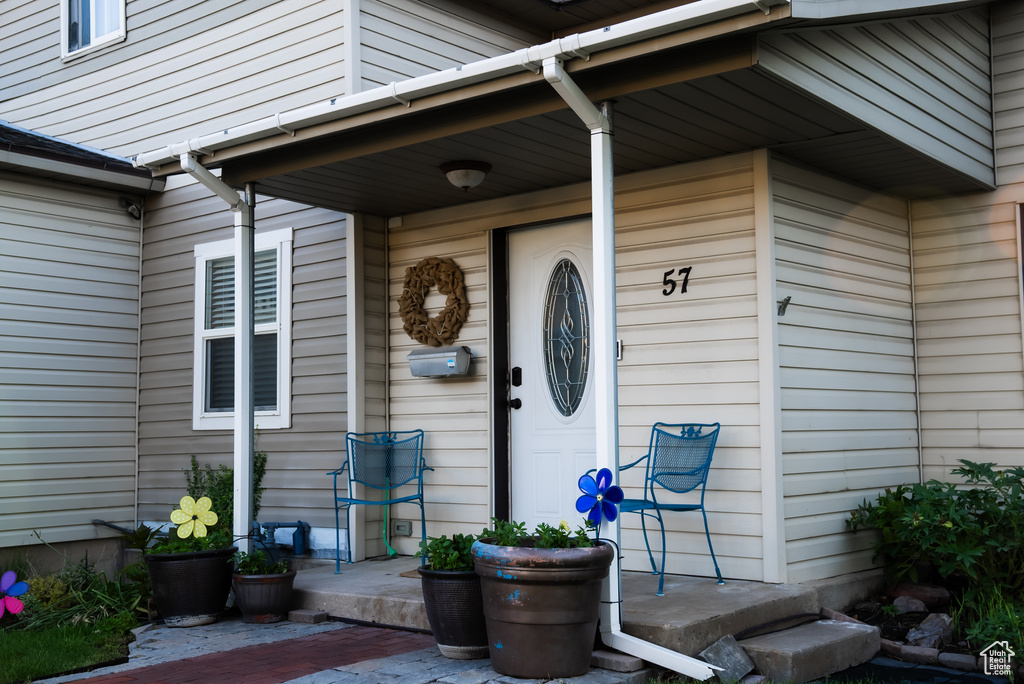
[233, 652]
[388, 645]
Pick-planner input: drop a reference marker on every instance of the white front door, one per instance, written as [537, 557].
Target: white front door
[552, 433]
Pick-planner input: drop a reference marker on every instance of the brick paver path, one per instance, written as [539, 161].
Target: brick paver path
[278, 661]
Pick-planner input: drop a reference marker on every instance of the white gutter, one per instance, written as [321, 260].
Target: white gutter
[606, 382]
[529, 58]
[244, 320]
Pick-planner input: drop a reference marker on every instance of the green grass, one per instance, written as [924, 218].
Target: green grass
[28, 655]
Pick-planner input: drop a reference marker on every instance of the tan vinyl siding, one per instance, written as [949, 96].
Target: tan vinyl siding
[923, 81]
[967, 255]
[186, 69]
[298, 457]
[687, 358]
[846, 355]
[1008, 84]
[969, 331]
[401, 39]
[69, 270]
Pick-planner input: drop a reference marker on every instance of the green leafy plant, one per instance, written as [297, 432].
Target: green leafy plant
[258, 562]
[218, 485]
[508, 533]
[974, 532]
[449, 554]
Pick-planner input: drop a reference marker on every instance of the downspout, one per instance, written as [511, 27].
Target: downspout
[242, 210]
[598, 121]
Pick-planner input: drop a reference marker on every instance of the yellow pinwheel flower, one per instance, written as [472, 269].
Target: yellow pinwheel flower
[193, 517]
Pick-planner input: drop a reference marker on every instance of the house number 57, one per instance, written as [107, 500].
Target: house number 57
[670, 283]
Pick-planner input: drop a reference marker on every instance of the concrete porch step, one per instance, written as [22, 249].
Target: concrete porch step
[812, 651]
[694, 613]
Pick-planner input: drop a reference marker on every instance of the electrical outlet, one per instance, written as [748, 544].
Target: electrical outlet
[401, 528]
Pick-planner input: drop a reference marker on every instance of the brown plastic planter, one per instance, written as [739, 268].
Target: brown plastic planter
[263, 598]
[541, 607]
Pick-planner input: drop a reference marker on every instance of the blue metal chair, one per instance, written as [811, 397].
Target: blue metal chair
[383, 461]
[677, 460]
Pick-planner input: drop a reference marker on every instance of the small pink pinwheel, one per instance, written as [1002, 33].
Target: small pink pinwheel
[600, 496]
[9, 588]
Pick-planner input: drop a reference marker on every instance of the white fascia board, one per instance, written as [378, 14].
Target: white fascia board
[530, 58]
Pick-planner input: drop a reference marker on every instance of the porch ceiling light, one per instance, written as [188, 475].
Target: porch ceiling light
[465, 174]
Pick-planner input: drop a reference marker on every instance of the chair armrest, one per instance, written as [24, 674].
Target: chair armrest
[630, 465]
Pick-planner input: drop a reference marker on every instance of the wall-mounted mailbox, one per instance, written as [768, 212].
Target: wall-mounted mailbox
[434, 362]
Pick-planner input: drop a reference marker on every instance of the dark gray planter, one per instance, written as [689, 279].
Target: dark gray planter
[190, 588]
[455, 612]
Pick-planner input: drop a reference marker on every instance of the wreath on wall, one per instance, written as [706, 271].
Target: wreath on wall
[442, 329]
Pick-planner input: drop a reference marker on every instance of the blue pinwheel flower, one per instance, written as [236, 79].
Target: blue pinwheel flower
[599, 496]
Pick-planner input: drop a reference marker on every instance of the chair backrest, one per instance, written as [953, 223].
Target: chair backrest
[680, 455]
[385, 460]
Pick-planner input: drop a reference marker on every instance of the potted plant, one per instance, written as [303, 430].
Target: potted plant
[542, 592]
[189, 574]
[262, 586]
[452, 598]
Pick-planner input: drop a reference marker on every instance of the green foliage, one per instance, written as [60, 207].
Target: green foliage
[989, 616]
[258, 563]
[974, 532]
[449, 554]
[506, 533]
[548, 537]
[78, 594]
[218, 484]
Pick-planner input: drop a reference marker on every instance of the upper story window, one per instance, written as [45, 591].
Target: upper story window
[214, 360]
[89, 23]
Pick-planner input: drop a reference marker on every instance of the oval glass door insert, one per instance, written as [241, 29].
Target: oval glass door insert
[566, 337]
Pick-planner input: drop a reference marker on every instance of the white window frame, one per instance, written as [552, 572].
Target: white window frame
[95, 42]
[265, 420]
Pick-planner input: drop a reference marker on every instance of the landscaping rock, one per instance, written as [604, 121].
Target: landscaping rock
[932, 596]
[891, 648]
[909, 604]
[935, 631]
[959, 661]
[727, 654]
[919, 654]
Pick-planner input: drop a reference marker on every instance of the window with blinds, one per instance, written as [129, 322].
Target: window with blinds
[214, 391]
[220, 351]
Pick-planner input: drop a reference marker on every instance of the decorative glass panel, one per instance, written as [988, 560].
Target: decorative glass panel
[566, 337]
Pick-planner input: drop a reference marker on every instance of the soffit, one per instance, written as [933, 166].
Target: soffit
[670, 124]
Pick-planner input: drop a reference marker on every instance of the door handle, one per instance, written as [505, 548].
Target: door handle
[516, 403]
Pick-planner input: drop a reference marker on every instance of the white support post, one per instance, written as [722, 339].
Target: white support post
[244, 248]
[606, 380]
[244, 334]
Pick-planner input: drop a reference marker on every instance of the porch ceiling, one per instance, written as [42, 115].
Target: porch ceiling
[666, 112]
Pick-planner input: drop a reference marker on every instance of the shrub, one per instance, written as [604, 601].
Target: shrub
[974, 532]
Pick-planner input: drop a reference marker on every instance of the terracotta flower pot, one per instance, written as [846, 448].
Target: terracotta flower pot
[263, 598]
[190, 588]
[541, 607]
[455, 611]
